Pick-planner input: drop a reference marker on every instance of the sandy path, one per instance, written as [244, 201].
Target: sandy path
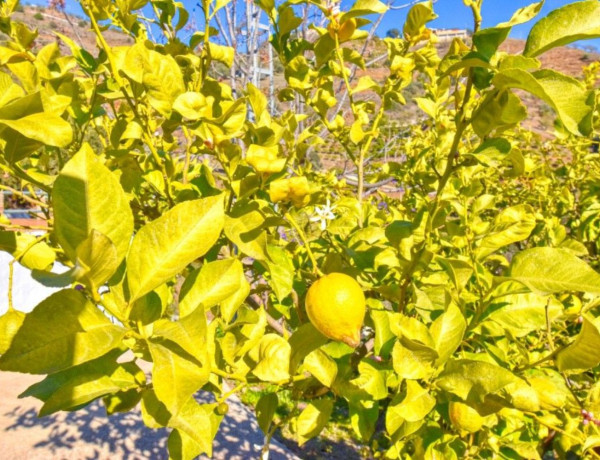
[89, 434]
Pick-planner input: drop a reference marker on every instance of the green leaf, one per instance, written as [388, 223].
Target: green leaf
[244, 227]
[419, 15]
[163, 81]
[523, 15]
[458, 270]
[154, 413]
[413, 360]
[473, 380]
[165, 246]
[367, 7]
[273, 359]
[488, 40]
[363, 417]
[224, 54]
[383, 333]
[313, 419]
[413, 354]
[96, 262]
[548, 270]
[372, 379]
[231, 304]
[200, 422]
[576, 21]
[511, 225]
[522, 314]
[192, 106]
[9, 90]
[48, 342]
[210, 285]
[82, 384]
[176, 375]
[412, 405]
[189, 333]
[10, 323]
[47, 128]
[122, 401]
[181, 446]
[282, 271]
[447, 332]
[87, 196]
[322, 367]
[591, 442]
[265, 410]
[288, 21]
[98, 255]
[411, 329]
[83, 57]
[582, 354]
[38, 256]
[144, 311]
[573, 103]
[303, 341]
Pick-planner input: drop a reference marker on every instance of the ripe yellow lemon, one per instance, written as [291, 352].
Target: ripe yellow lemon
[336, 307]
[464, 417]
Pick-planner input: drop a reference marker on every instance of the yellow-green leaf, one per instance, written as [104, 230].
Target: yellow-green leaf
[164, 247]
[548, 270]
[86, 197]
[576, 21]
[582, 354]
[49, 342]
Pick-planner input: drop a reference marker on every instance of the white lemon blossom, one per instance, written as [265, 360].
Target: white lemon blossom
[323, 214]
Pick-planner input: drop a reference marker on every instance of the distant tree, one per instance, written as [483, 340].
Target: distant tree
[392, 33]
[61, 6]
[57, 4]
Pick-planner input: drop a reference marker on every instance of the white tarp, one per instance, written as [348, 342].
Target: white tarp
[27, 292]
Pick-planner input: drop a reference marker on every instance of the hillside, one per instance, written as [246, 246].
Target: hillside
[567, 60]
[48, 22]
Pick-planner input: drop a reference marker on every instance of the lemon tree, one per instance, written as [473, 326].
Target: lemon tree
[203, 233]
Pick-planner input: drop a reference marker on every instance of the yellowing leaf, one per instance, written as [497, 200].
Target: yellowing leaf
[22, 246]
[47, 128]
[175, 377]
[210, 285]
[447, 332]
[243, 227]
[164, 247]
[576, 21]
[582, 354]
[570, 99]
[48, 342]
[547, 270]
[86, 197]
[274, 359]
[313, 419]
[322, 367]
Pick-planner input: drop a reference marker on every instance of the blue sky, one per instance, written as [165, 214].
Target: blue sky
[452, 13]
